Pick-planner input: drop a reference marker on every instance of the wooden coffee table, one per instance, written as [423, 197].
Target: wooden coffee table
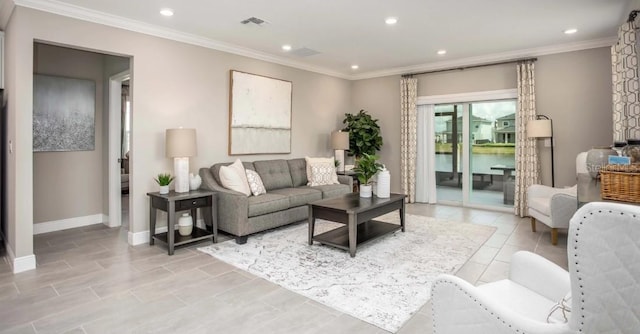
[357, 214]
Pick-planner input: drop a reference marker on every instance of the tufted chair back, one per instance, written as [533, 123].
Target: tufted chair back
[604, 266]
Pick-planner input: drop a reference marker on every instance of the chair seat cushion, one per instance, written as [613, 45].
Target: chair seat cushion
[299, 196]
[540, 204]
[519, 299]
[267, 203]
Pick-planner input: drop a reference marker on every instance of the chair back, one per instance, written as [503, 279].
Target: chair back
[604, 265]
[581, 163]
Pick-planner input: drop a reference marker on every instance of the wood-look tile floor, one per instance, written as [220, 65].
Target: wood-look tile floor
[89, 280]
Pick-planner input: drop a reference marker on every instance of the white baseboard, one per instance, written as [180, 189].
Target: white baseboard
[63, 224]
[19, 264]
[139, 238]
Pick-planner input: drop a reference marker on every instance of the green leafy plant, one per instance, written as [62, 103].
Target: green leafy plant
[164, 179]
[366, 167]
[336, 163]
[364, 133]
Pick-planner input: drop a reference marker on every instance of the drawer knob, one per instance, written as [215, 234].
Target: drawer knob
[194, 203]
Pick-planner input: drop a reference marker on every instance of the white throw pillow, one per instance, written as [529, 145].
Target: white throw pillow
[255, 183]
[324, 168]
[323, 173]
[233, 177]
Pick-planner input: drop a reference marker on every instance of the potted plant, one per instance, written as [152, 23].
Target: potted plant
[364, 134]
[164, 180]
[366, 167]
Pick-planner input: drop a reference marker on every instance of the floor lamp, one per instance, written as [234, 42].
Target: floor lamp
[542, 127]
[180, 145]
[340, 142]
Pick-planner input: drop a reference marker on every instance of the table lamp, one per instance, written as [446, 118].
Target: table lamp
[180, 145]
[542, 127]
[340, 142]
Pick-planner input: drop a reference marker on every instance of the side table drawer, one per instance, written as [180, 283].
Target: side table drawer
[188, 204]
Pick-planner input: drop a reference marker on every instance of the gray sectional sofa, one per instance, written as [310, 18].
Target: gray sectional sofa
[284, 203]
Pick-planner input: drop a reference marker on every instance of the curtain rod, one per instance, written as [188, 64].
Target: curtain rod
[461, 68]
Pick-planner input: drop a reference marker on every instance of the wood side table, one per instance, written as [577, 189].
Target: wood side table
[174, 202]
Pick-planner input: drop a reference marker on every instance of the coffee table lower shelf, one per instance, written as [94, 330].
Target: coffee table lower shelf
[367, 231]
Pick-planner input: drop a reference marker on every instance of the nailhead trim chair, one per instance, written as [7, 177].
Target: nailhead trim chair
[603, 278]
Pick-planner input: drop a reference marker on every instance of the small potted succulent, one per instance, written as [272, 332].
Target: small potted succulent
[366, 167]
[164, 179]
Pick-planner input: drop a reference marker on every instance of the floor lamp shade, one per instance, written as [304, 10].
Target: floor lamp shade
[340, 142]
[539, 128]
[180, 145]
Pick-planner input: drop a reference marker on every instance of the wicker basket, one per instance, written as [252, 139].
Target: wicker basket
[620, 183]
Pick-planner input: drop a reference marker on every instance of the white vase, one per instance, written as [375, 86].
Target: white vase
[597, 157]
[194, 181]
[365, 190]
[383, 187]
[164, 190]
[185, 224]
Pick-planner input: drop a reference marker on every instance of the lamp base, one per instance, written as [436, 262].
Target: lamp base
[181, 171]
[339, 156]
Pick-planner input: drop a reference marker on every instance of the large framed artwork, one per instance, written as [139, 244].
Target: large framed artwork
[63, 114]
[259, 114]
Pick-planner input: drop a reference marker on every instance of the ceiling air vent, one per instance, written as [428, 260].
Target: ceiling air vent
[305, 52]
[254, 20]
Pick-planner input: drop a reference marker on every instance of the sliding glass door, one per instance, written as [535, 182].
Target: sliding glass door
[472, 154]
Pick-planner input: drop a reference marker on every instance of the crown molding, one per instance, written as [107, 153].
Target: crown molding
[491, 58]
[84, 14]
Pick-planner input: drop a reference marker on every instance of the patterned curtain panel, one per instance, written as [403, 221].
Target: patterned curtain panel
[626, 85]
[408, 136]
[527, 162]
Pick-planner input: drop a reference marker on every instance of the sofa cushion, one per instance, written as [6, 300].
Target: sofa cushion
[299, 196]
[332, 190]
[233, 177]
[215, 169]
[274, 173]
[255, 182]
[321, 171]
[298, 169]
[267, 203]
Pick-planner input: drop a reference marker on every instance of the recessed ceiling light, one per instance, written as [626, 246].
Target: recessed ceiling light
[286, 47]
[571, 31]
[391, 20]
[355, 67]
[442, 52]
[166, 11]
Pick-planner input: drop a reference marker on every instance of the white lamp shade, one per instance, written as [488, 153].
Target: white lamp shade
[340, 140]
[539, 128]
[180, 143]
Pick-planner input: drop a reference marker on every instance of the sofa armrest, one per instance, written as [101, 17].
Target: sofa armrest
[233, 206]
[460, 308]
[540, 275]
[346, 179]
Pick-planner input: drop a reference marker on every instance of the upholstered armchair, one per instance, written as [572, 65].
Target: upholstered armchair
[554, 206]
[603, 278]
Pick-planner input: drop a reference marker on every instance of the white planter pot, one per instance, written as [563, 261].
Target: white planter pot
[365, 190]
[164, 190]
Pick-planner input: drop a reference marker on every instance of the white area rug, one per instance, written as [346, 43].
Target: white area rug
[385, 284]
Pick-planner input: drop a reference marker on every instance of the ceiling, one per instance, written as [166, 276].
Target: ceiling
[348, 32]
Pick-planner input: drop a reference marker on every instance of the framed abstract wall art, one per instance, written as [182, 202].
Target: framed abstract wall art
[259, 114]
[63, 114]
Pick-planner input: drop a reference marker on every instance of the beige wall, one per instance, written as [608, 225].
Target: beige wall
[574, 89]
[78, 174]
[174, 84]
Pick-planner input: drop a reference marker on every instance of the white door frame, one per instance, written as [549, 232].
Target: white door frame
[115, 147]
